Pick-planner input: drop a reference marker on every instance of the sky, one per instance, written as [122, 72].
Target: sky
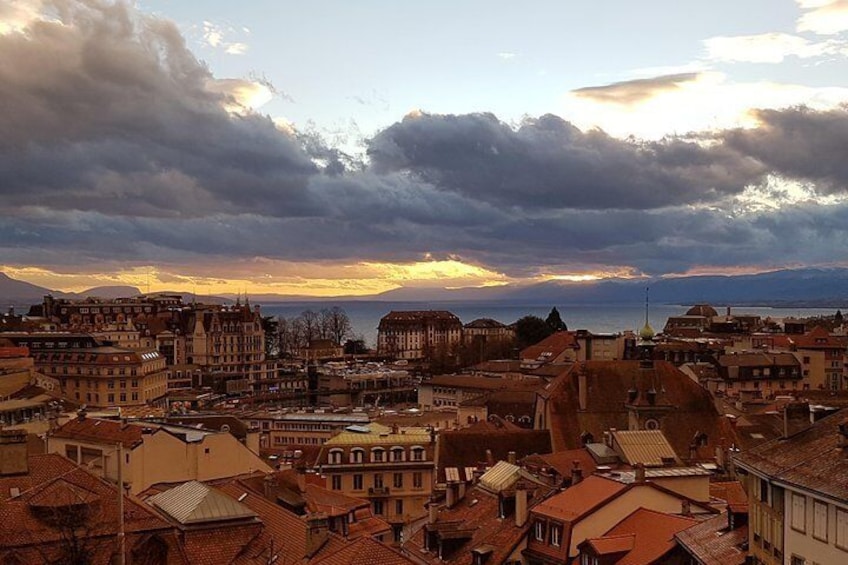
[333, 148]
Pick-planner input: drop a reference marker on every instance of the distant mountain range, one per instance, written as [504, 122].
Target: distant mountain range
[810, 287]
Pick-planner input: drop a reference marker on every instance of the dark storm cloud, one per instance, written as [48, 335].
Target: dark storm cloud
[799, 143]
[115, 149]
[634, 91]
[109, 93]
[547, 162]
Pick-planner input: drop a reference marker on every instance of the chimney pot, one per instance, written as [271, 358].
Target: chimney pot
[576, 472]
[640, 473]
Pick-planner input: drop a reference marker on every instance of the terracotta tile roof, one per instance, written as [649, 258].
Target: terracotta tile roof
[713, 543]
[563, 461]
[51, 484]
[467, 447]
[811, 459]
[576, 502]
[690, 407]
[365, 551]
[653, 535]
[101, 431]
[612, 544]
[477, 513]
[732, 493]
[551, 347]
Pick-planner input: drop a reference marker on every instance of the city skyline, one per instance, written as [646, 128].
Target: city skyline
[334, 148]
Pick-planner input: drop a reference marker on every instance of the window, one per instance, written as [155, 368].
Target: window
[418, 454]
[378, 480]
[764, 491]
[796, 560]
[396, 454]
[337, 482]
[123, 397]
[556, 535]
[399, 507]
[335, 456]
[110, 398]
[417, 480]
[378, 507]
[539, 530]
[357, 455]
[397, 480]
[377, 455]
[842, 529]
[820, 520]
[357, 482]
[799, 513]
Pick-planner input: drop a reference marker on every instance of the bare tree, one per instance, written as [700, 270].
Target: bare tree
[335, 324]
[311, 325]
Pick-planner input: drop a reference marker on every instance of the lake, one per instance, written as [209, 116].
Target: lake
[599, 318]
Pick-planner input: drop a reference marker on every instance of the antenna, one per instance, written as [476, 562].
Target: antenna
[647, 303]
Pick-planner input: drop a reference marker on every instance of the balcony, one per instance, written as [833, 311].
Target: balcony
[378, 491]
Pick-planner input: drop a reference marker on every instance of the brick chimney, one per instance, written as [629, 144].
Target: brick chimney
[510, 458]
[317, 532]
[13, 452]
[521, 506]
[432, 511]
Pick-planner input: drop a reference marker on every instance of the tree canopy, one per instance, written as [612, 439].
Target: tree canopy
[530, 330]
[554, 320]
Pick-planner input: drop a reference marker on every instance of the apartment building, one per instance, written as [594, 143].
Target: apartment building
[798, 495]
[105, 376]
[393, 468]
[418, 334]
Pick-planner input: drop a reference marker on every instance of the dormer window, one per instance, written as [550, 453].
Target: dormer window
[357, 455]
[418, 453]
[397, 454]
[335, 456]
[378, 455]
[539, 531]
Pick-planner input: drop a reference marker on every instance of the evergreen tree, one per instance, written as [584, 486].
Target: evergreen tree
[838, 318]
[554, 320]
[530, 330]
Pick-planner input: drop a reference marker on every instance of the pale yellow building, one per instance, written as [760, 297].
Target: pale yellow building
[393, 468]
[152, 453]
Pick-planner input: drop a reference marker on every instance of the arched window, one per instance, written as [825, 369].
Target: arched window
[357, 455]
[418, 453]
[336, 456]
[378, 455]
[398, 453]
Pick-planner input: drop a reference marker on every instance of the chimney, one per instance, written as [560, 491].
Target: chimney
[81, 413]
[631, 395]
[520, 504]
[433, 511]
[510, 458]
[693, 452]
[395, 429]
[301, 480]
[268, 487]
[13, 452]
[640, 473]
[728, 311]
[451, 501]
[317, 532]
[582, 391]
[490, 459]
[576, 472]
[652, 396]
[685, 507]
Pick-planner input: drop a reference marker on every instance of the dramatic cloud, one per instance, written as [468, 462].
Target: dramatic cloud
[800, 143]
[119, 149]
[637, 90]
[548, 163]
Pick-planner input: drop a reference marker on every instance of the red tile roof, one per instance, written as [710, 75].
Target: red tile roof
[713, 543]
[811, 459]
[579, 500]
[101, 431]
[365, 551]
[551, 347]
[653, 535]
